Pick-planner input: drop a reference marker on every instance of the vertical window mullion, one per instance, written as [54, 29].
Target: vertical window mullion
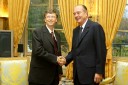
[50, 4]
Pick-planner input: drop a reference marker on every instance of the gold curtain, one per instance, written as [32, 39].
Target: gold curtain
[68, 22]
[92, 6]
[110, 13]
[18, 12]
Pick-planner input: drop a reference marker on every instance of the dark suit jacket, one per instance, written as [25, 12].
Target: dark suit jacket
[88, 52]
[44, 62]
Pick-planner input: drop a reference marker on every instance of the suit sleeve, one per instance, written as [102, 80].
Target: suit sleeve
[99, 40]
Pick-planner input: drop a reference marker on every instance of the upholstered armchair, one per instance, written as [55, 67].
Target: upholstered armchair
[14, 71]
[121, 75]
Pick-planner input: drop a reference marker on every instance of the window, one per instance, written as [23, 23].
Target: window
[120, 43]
[35, 20]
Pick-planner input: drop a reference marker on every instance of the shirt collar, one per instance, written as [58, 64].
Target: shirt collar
[84, 23]
[50, 29]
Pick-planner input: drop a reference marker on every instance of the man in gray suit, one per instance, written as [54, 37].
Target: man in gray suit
[44, 67]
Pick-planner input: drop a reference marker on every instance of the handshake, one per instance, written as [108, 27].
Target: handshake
[61, 60]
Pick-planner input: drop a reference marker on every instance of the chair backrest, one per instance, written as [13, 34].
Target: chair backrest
[14, 71]
[121, 77]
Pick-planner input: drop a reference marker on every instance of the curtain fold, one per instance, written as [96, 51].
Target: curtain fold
[110, 13]
[18, 13]
[68, 22]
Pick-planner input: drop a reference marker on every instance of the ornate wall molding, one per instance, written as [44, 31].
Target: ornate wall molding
[92, 6]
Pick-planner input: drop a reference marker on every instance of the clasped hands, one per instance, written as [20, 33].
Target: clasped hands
[61, 60]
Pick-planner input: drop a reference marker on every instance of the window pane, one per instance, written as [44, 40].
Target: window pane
[55, 6]
[120, 43]
[64, 44]
[35, 18]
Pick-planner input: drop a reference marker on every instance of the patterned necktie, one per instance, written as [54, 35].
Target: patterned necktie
[80, 31]
[55, 44]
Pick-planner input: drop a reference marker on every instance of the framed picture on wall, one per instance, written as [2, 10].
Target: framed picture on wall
[6, 43]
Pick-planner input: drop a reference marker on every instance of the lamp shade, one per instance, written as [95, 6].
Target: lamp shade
[3, 8]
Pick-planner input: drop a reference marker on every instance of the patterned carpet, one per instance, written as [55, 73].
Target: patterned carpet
[64, 81]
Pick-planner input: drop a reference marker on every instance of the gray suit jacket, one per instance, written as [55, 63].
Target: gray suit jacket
[44, 65]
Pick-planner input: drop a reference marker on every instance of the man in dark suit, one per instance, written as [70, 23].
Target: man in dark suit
[44, 67]
[88, 50]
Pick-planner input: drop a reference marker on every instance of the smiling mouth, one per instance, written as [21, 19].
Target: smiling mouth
[50, 21]
[77, 19]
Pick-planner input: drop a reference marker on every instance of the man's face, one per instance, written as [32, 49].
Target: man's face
[50, 19]
[80, 14]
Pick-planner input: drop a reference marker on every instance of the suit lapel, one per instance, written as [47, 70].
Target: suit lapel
[85, 31]
[48, 35]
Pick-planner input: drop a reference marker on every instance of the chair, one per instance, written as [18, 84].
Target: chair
[14, 71]
[121, 76]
